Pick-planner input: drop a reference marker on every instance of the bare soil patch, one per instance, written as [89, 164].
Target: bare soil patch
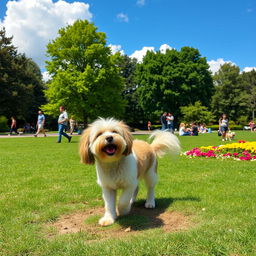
[136, 222]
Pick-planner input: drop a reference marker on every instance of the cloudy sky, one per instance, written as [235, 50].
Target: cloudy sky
[223, 31]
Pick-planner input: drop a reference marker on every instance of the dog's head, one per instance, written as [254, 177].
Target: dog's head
[106, 140]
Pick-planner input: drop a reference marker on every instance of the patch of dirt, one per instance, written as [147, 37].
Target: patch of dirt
[138, 220]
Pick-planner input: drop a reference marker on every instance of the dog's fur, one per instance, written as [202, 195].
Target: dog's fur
[121, 161]
[230, 135]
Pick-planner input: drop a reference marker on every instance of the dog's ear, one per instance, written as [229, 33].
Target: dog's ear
[128, 139]
[86, 155]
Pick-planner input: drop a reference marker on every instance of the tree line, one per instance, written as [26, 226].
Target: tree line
[91, 81]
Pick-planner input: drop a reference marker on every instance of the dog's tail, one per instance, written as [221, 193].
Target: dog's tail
[164, 142]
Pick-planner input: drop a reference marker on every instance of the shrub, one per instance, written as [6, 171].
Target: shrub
[196, 113]
[3, 124]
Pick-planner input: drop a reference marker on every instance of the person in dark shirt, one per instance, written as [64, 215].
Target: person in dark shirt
[194, 129]
[163, 121]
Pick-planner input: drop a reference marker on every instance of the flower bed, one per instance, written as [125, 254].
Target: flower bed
[243, 151]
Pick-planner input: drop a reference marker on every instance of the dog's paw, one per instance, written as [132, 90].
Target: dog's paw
[150, 204]
[123, 210]
[106, 221]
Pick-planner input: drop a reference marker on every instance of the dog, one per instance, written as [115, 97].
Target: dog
[122, 161]
[230, 135]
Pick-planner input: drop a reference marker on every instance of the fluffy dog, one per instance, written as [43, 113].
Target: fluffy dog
[121, 161]
[230, 135]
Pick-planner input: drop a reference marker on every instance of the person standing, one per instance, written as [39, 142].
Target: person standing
[72, 124]
[40, 123]
[13, 126]
[223, 126]
[163, 121]
[170, 119]
[149, 125]
[63, 124]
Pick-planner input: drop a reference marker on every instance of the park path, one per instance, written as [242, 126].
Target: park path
[56, 134]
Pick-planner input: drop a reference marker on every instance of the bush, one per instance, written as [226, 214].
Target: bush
[231, 126]
[196, 113]
[3, 124]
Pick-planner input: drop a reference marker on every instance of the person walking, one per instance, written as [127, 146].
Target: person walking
[40, 123]
[63, 124]
[223, 126]
[163, 121]
[13, 126]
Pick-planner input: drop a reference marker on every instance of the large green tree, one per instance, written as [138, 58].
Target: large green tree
[85, 77]
[231, 96]
[21, 86]
[167, 81]
[133, 113]
[249, 82]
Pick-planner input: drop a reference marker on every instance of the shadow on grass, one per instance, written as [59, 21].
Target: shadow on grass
[141, 218]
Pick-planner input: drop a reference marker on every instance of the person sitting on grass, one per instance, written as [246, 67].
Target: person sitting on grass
[194, 129]
[252, 126]
[183, 131]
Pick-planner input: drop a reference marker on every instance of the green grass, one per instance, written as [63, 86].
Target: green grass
[41, 180]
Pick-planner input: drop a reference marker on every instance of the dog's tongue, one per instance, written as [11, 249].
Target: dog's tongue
[110, 149]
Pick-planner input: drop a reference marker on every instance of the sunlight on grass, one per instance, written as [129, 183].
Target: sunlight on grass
[41, 181]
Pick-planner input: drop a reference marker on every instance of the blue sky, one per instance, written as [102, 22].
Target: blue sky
[220, 29]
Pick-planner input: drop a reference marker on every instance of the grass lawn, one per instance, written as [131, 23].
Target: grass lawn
[41, 180]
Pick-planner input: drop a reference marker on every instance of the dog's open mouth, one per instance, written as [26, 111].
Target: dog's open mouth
[110, 149]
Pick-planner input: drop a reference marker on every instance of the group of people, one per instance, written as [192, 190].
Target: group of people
[62, 125]
[167, 120]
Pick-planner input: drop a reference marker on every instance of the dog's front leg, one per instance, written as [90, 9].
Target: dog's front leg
[109, 196]
[124, 204]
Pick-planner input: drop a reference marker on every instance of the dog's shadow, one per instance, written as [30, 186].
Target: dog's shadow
[141, 218]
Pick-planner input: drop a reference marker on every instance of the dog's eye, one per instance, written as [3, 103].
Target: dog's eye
[114, 131]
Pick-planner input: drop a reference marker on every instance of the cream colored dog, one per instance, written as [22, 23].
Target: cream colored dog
[230, 135]
[121, 161]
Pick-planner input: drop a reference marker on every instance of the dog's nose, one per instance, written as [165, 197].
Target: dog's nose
[109, 139]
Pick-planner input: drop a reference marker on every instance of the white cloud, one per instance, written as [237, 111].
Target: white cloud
[249, 69]
[116, 48]
[33, 23]
[122, 17]
[139, 54]
[216, 64]
[140, 2]
[164, 47]
[46, 76]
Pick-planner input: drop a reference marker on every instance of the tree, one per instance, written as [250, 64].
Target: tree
[196, 113]
[167, 81]
[230, 95]
[127, 66]
[85, 77]
[21, 86]
[249, 82]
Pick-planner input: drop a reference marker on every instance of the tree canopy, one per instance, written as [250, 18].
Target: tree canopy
[231, 96]
[85, 77]
[21, 86]
[167, 81]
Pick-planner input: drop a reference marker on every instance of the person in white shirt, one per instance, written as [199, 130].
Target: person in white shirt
[63, 124]
[169, 119]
